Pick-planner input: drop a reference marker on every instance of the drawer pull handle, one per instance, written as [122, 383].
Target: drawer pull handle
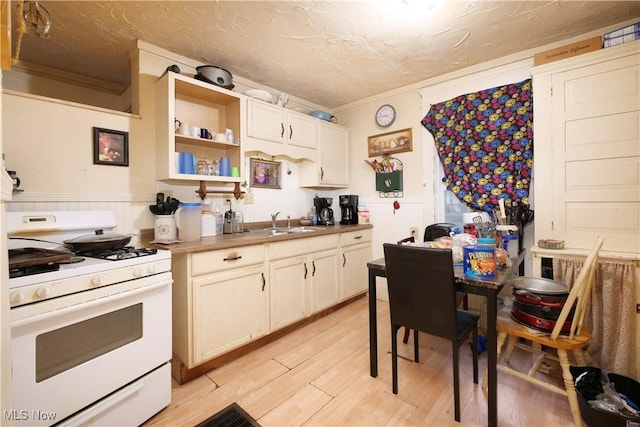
[305, 270]
[344, 260]
[281, 130]
[357, 238]
[313, 263]
[264, 282]
[234, 258]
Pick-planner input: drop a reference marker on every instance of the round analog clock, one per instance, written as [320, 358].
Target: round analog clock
[385, 115]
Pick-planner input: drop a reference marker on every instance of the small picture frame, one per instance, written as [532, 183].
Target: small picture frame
[390, 143]
[265, 173]
[110, 147]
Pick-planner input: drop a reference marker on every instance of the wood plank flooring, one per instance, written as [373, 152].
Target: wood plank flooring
[319, 376]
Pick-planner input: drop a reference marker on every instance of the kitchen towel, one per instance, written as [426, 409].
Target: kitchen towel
[485, 143]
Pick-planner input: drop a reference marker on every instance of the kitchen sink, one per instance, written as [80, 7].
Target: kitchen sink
[281, 231]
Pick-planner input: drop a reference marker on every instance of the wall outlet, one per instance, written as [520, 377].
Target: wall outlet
[413, 232]
[248, 197]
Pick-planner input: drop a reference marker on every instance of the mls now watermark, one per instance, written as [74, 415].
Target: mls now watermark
[26, 415]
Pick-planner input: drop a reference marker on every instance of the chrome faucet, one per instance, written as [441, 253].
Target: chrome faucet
[273, 219]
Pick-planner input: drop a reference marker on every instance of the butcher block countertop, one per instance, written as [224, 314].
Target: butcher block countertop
[248, 238]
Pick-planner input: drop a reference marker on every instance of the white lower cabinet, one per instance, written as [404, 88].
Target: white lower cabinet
[220, 302]
[304, 279]
[229, 310]
[288, 295]
[224, 299]
[356, 253]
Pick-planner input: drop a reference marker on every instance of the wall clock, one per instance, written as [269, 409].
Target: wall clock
[385, 115]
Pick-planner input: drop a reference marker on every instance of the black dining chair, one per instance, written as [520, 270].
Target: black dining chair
[422, 297]
[431, 233]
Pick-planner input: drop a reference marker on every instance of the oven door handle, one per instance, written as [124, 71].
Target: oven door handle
[89, 304]
[85, 417]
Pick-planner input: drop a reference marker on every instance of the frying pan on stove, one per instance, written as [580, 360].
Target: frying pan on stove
[97, 242]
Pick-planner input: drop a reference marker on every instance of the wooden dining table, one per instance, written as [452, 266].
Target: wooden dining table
[489, 288]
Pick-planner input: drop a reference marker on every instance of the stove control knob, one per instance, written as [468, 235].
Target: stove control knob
[137, 272]
[96, 281]
[43, 292]
[18, 298]
[152, 269]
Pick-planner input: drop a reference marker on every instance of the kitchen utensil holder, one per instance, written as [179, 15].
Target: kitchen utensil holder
[389, 184]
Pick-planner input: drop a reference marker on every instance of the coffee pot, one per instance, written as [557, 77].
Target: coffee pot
[325, 213]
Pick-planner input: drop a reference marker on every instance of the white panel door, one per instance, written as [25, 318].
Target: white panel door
[596, 155]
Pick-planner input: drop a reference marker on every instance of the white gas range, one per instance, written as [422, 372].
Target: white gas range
[97, 328]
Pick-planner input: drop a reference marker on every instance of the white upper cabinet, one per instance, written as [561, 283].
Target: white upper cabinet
[277, 131]
[587, 149]
[202, 105]
[331, 169]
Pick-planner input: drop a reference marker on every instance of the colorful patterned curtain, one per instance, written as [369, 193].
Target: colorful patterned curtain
[485, 143]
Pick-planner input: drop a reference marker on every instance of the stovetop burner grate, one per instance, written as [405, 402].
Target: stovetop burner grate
[34, 269]
[118, 254]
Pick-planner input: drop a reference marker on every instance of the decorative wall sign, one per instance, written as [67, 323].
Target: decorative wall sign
[110, 147]
[265, 173]
[389, 143]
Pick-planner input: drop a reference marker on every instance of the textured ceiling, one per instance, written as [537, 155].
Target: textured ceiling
[328, 52]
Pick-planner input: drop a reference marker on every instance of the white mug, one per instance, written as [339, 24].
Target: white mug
[195, 131]
[183, 129]
[165, 228]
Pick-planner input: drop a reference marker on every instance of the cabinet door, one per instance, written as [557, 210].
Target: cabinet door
[287, 280]
[301, 130]
[324, 289]
[588, 134]
[334, 154]
[265, 121]
[354, 269]
[229, 310]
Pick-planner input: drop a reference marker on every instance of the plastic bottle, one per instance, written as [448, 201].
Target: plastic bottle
[314, 216]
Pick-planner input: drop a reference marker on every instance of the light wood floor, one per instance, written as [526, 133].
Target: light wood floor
[319, 376]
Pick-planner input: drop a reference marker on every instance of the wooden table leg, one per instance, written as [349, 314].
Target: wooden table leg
[373, 326]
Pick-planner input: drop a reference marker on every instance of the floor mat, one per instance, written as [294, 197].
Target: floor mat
[231, 416]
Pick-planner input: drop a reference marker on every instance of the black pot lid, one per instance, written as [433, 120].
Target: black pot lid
[539, 285]
[98, 237]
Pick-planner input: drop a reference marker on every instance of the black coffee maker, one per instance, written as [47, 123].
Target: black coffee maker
[349, 206]
[324, 212]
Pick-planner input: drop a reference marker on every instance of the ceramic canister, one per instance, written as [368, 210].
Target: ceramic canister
[165, 228]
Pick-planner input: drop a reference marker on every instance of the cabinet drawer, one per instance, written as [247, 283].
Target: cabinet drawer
[355, 237]
[302, 246]
[212, 261]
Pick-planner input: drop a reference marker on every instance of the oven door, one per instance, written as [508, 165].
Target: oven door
[71, 351]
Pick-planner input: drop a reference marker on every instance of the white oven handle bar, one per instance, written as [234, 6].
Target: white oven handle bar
[86, 416]
[90, 303]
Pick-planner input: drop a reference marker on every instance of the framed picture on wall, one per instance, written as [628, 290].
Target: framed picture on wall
[265, 173]
[110, 147]
[389, 143]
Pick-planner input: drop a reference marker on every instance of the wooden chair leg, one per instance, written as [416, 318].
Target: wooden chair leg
[511, 345]
[456, 380]
[570, 387]
[579, 356]
[394, 359]
[416, 351]
[499, 344]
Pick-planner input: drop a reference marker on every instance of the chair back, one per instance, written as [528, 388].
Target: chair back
[422, 294]
[580, 292]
